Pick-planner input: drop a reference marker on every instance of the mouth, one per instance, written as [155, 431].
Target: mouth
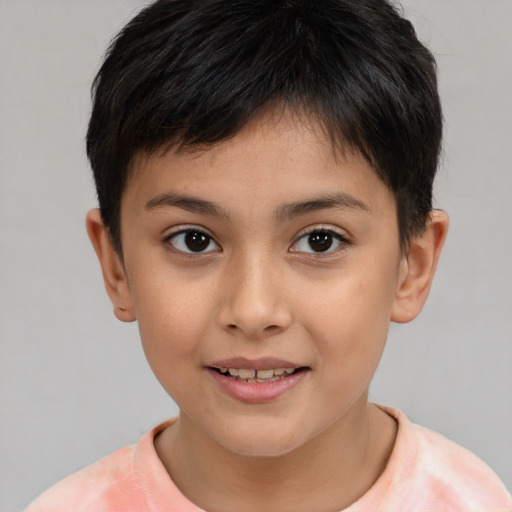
[257, 381]
[261, 376]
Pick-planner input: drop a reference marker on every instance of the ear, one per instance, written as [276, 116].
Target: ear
[114, 274]
[417, 268]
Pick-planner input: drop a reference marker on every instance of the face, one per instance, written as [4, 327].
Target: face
[263, 273]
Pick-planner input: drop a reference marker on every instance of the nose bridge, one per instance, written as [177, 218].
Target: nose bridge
[254, 303]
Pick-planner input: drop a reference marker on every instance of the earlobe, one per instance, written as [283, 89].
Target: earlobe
[417, 268]
[114, 275]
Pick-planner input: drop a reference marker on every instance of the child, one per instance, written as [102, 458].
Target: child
[264, 170]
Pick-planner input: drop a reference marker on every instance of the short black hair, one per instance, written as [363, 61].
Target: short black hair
[192, 73]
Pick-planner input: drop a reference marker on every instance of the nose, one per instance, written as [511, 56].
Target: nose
[254, 303]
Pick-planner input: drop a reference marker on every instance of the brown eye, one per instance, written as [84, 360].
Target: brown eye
[197, 241]
[321, 241]
[193, 241]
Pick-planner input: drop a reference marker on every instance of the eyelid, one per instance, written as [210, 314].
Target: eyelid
[328, 228]
[339, 234]
[181, 228]
[184, 228]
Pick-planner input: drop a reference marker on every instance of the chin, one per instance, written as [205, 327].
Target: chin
[264, 444]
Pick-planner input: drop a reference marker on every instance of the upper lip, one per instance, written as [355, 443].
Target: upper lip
[263, 363]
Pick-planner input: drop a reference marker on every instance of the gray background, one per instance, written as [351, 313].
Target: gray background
[74, 384]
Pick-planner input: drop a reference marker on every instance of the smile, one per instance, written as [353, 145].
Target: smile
[260, 376]
[257, 381]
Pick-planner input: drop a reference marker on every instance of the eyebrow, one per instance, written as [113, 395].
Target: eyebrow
[336, 200]
[188, 203]
[287, 211]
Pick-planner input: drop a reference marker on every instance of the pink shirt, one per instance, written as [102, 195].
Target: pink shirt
[426, 473]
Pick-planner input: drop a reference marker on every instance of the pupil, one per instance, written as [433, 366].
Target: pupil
[197, 241]
[320, 242]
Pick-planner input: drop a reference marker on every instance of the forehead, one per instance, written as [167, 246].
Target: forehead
[273, 160]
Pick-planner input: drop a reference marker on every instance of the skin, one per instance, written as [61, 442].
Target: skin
[260, 290]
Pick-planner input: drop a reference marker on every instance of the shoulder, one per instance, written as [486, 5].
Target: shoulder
[458, 474]
[102, 486]
[132, 478]
[444, 474]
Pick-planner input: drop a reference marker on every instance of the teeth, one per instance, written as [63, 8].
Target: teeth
[247, 374]
[265, 374]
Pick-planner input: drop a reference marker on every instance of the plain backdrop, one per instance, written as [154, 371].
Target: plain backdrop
[74, 384]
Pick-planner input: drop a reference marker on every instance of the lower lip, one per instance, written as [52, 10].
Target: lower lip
[257, 392]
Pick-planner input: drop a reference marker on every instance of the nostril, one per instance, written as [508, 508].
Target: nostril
[267, 331]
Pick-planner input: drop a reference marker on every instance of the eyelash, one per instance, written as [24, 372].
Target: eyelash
[342, 241]
[184, 231]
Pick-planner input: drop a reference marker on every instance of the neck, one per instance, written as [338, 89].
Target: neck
[329, 472]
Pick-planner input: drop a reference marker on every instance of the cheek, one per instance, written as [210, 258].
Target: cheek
[172, 314]
[171, 330]
[351, 318]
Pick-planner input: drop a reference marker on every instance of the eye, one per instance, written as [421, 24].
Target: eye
[193, 241]
[319, 241]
